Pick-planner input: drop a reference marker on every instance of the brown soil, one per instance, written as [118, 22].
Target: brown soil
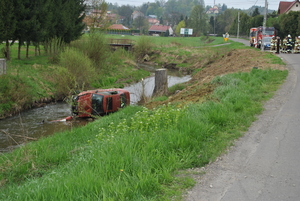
[238, 60]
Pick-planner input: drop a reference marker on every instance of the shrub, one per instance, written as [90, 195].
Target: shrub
[143, 47]
[79, 65]
[95, 47]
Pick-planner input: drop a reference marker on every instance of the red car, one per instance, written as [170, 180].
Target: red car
[99, 102]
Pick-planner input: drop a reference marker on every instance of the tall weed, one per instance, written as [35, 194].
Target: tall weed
[79, 65]
[143, 46]
[96, 48]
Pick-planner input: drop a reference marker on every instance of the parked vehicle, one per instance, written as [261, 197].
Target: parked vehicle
[99, 102]
[266, 42]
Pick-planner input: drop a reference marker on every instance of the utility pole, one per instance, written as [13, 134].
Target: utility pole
[214, 18]
[238, 28]
[264, 24]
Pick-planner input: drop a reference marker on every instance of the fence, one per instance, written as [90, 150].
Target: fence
[2, 66]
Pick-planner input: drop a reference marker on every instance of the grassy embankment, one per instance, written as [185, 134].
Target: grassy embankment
[87, 64]
[50, 77]
[136, 153]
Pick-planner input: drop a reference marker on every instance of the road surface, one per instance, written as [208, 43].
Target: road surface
[264, 165]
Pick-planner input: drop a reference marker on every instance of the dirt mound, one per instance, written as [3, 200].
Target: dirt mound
[238, 60]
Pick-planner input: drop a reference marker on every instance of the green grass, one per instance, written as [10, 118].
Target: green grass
[275, 59]
[136, 153]
[181, 41]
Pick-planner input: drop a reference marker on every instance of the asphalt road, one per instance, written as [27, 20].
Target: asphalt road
[264, 165]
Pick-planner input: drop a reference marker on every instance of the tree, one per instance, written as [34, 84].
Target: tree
[180, 25]
[142, 24]
[224, 7]
[255, 12]
[126, 12]
[36, 30]
[7, 25]
[161, 20]
[289, 24]
[212, 24]
[172, 18]
[23, 16]
[198, 20]
[152, 7]
[225, 20]
[256, 21]
[99, 15]
[144, 8]
[243, 24]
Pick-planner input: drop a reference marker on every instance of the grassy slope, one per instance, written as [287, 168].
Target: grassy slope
[135, 153]
[35, 79]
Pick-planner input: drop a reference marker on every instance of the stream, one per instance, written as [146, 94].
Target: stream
[38, 122]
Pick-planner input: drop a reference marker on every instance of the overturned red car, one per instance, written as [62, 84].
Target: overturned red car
[99, 102]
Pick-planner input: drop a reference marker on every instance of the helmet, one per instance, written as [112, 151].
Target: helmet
[289, 35]
[298, 36]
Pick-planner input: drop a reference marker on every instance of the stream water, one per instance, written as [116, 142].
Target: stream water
[36, 123]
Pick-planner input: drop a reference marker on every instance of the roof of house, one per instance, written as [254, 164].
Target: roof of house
[118, 26]
[153, 21]
[285, 6]
[159, 28]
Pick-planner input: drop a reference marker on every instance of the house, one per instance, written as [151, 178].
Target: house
[160, 29]
[118, 27]
[153, 21]
[213, 10]
[137, 14]
[96, 17]
[287, 6]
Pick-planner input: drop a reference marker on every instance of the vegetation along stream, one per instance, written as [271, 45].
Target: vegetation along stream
[40, 122]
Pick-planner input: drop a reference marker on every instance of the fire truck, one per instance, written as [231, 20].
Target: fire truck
[258, 33]
[99, 102]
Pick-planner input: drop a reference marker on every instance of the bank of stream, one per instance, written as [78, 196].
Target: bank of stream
[40, 122]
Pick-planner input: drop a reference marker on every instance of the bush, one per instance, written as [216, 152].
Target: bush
[79, 65]
[95, 47]
[143, 47]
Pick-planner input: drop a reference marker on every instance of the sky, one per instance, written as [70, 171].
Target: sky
[242, 4]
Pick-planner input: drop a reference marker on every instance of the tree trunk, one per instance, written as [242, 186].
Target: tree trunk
[19, 49]
[7, 51]
[161, 82]
[27, 49]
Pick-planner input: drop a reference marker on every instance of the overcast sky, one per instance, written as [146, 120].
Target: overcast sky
[242, 4]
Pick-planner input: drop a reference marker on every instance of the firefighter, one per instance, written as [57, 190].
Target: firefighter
[289, 44]
[284, 45]
[273, 44]
[297, 45]
[278, 44]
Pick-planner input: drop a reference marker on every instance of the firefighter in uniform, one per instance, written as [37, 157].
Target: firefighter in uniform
[284, 45]
[278, 44]
[297, 45]
[273, 44]
[289, 44]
